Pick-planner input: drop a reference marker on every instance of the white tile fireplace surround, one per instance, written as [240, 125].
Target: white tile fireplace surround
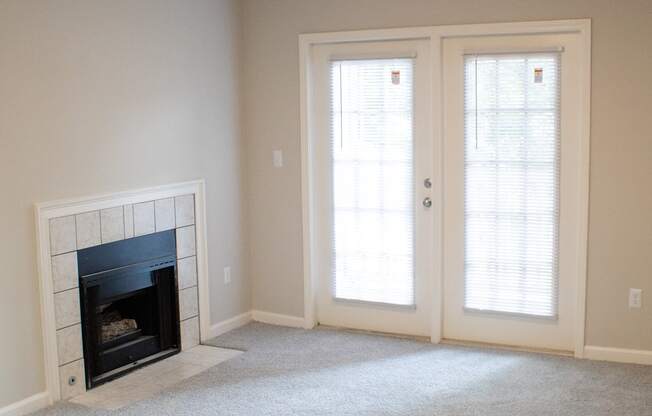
[64, 227]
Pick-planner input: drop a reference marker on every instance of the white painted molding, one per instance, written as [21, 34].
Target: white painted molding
[583, 195]
[435, 35]
[26, 406]
[47, 210]
[201, 251]
[309, 280]
[424, 32]
[258, 316]
[277, 319]
[619, 355]
[230, 324]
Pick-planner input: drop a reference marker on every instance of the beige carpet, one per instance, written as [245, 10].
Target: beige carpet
[288, 371]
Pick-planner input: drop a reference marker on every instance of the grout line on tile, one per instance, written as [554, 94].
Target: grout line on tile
[70, 362]
[68, 326]
[66, 290]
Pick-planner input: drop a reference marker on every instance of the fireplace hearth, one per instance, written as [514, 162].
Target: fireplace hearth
[129, 305]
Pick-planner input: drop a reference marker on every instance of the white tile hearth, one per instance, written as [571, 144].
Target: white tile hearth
[71, 379]
[62, 235]
[129, 220]
[187, 272]
[112, 224]
[148, 381]
[164, 214]
[88, 229]
[185, 242]
[185, 210]
[69, 344]
[144, 219]
[64, 271]
[189, 333]
[66, 308]
[188, 306]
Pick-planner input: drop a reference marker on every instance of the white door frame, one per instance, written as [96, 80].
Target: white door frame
[435, 35]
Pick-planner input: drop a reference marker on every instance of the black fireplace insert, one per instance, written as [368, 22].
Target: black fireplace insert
[129, 302]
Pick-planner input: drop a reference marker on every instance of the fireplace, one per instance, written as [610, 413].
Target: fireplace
[129, 305]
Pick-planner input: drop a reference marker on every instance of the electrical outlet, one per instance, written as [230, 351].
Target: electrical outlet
[227, 275]
[635, 298]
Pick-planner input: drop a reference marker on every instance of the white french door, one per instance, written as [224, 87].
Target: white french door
[373, 153]
[511, 181]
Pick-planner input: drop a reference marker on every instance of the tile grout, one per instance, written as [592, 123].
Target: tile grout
[69, 326]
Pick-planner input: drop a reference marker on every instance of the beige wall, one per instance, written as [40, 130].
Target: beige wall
[620, 246]
[101, 96]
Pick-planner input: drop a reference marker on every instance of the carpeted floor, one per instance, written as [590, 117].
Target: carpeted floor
[327, 372]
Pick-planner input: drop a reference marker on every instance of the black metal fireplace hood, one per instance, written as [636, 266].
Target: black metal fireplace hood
[125, 253]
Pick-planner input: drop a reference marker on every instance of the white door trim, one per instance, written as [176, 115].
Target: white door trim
[43, 212]
[435, 35]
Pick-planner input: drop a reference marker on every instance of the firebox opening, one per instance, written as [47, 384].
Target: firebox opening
[120, 319]
[130, 311]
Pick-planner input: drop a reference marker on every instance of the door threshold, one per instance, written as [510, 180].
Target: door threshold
[516, 348]
[419, 338]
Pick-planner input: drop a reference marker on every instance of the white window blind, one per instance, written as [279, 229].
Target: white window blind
[373, 196]
[512, 141]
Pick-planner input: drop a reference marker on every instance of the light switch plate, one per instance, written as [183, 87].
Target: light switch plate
[635, 298]
[227, 275]
[277, 156]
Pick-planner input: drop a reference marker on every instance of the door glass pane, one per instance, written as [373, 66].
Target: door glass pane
[512, 139]
[373, 195]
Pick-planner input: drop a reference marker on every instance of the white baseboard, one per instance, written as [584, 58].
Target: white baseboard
[28, 405]
[254, 315]
[277, 319]
[229, 324]
[619, 355]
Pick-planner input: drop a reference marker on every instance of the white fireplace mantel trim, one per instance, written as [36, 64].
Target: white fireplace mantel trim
[47, 210]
